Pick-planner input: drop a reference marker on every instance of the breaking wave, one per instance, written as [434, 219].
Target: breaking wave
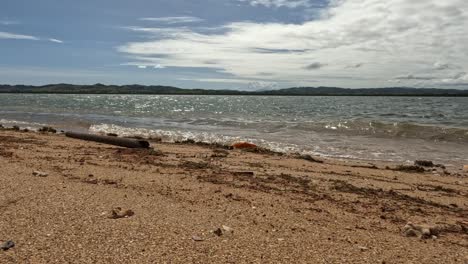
[179, 136]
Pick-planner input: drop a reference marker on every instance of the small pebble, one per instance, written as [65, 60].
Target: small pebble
[40, 174]
[7, 245]
[197, 238]
[363, 248]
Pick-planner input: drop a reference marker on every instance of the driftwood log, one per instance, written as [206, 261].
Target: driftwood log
[122, 142]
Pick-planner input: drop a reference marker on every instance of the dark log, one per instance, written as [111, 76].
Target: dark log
[122, 142]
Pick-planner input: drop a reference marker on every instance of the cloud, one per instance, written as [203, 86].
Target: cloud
[279, 3]
[145, 66]
[315, 66]
[173, 20]
[460, 78]
[392, 38]
[7, 35]
[250, 84]
[440, 66]
[355, 66]
[413, 77]
[55, 40]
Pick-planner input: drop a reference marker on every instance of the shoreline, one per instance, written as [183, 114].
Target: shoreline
[285, 147]
[203, 203]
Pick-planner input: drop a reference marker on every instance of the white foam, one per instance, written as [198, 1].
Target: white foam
[204, 137]
[24, 124]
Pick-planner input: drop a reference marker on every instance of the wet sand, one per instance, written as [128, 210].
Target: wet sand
[205, 204]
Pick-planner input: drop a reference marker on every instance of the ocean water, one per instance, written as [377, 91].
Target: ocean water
[398, 129]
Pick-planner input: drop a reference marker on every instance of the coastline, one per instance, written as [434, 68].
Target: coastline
[353, 128]
[203, 203]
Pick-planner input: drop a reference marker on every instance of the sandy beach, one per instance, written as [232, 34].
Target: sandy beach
[189, 203]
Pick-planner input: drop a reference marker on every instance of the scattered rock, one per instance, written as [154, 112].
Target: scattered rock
[310, 158]
[218, 232]
[421, 231]
[91, 181]
[410, 168]
[424, 163]
[7, 245]
[16, 128]
[425, 231]
[47, 129]
[109, 182]
[117, 213]
[40, 174]
[244, 145]
[370, 166]
[363, 248]
[224, 230]
[197, 239]
[227, 229]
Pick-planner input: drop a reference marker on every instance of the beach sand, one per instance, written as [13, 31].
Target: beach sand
[205, 204]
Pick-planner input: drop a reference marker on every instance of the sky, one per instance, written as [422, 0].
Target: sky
[236, 44]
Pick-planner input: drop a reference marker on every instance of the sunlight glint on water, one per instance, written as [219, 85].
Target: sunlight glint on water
[381, 128]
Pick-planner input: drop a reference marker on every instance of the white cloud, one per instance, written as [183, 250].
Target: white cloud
[279, 3]
[363, 43]
[248, 84]
[7, 35]
[173, 20]
[414, 77]
[145, 66]
[215, 80]
[55, 40]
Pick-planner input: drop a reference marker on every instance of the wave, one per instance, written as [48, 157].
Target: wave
[358, 148]
[397, 130]
[374, 140]
[197, 136]
[357, 127]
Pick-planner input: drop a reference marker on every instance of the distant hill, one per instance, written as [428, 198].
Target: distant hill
[391, 91]
[296, 91]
